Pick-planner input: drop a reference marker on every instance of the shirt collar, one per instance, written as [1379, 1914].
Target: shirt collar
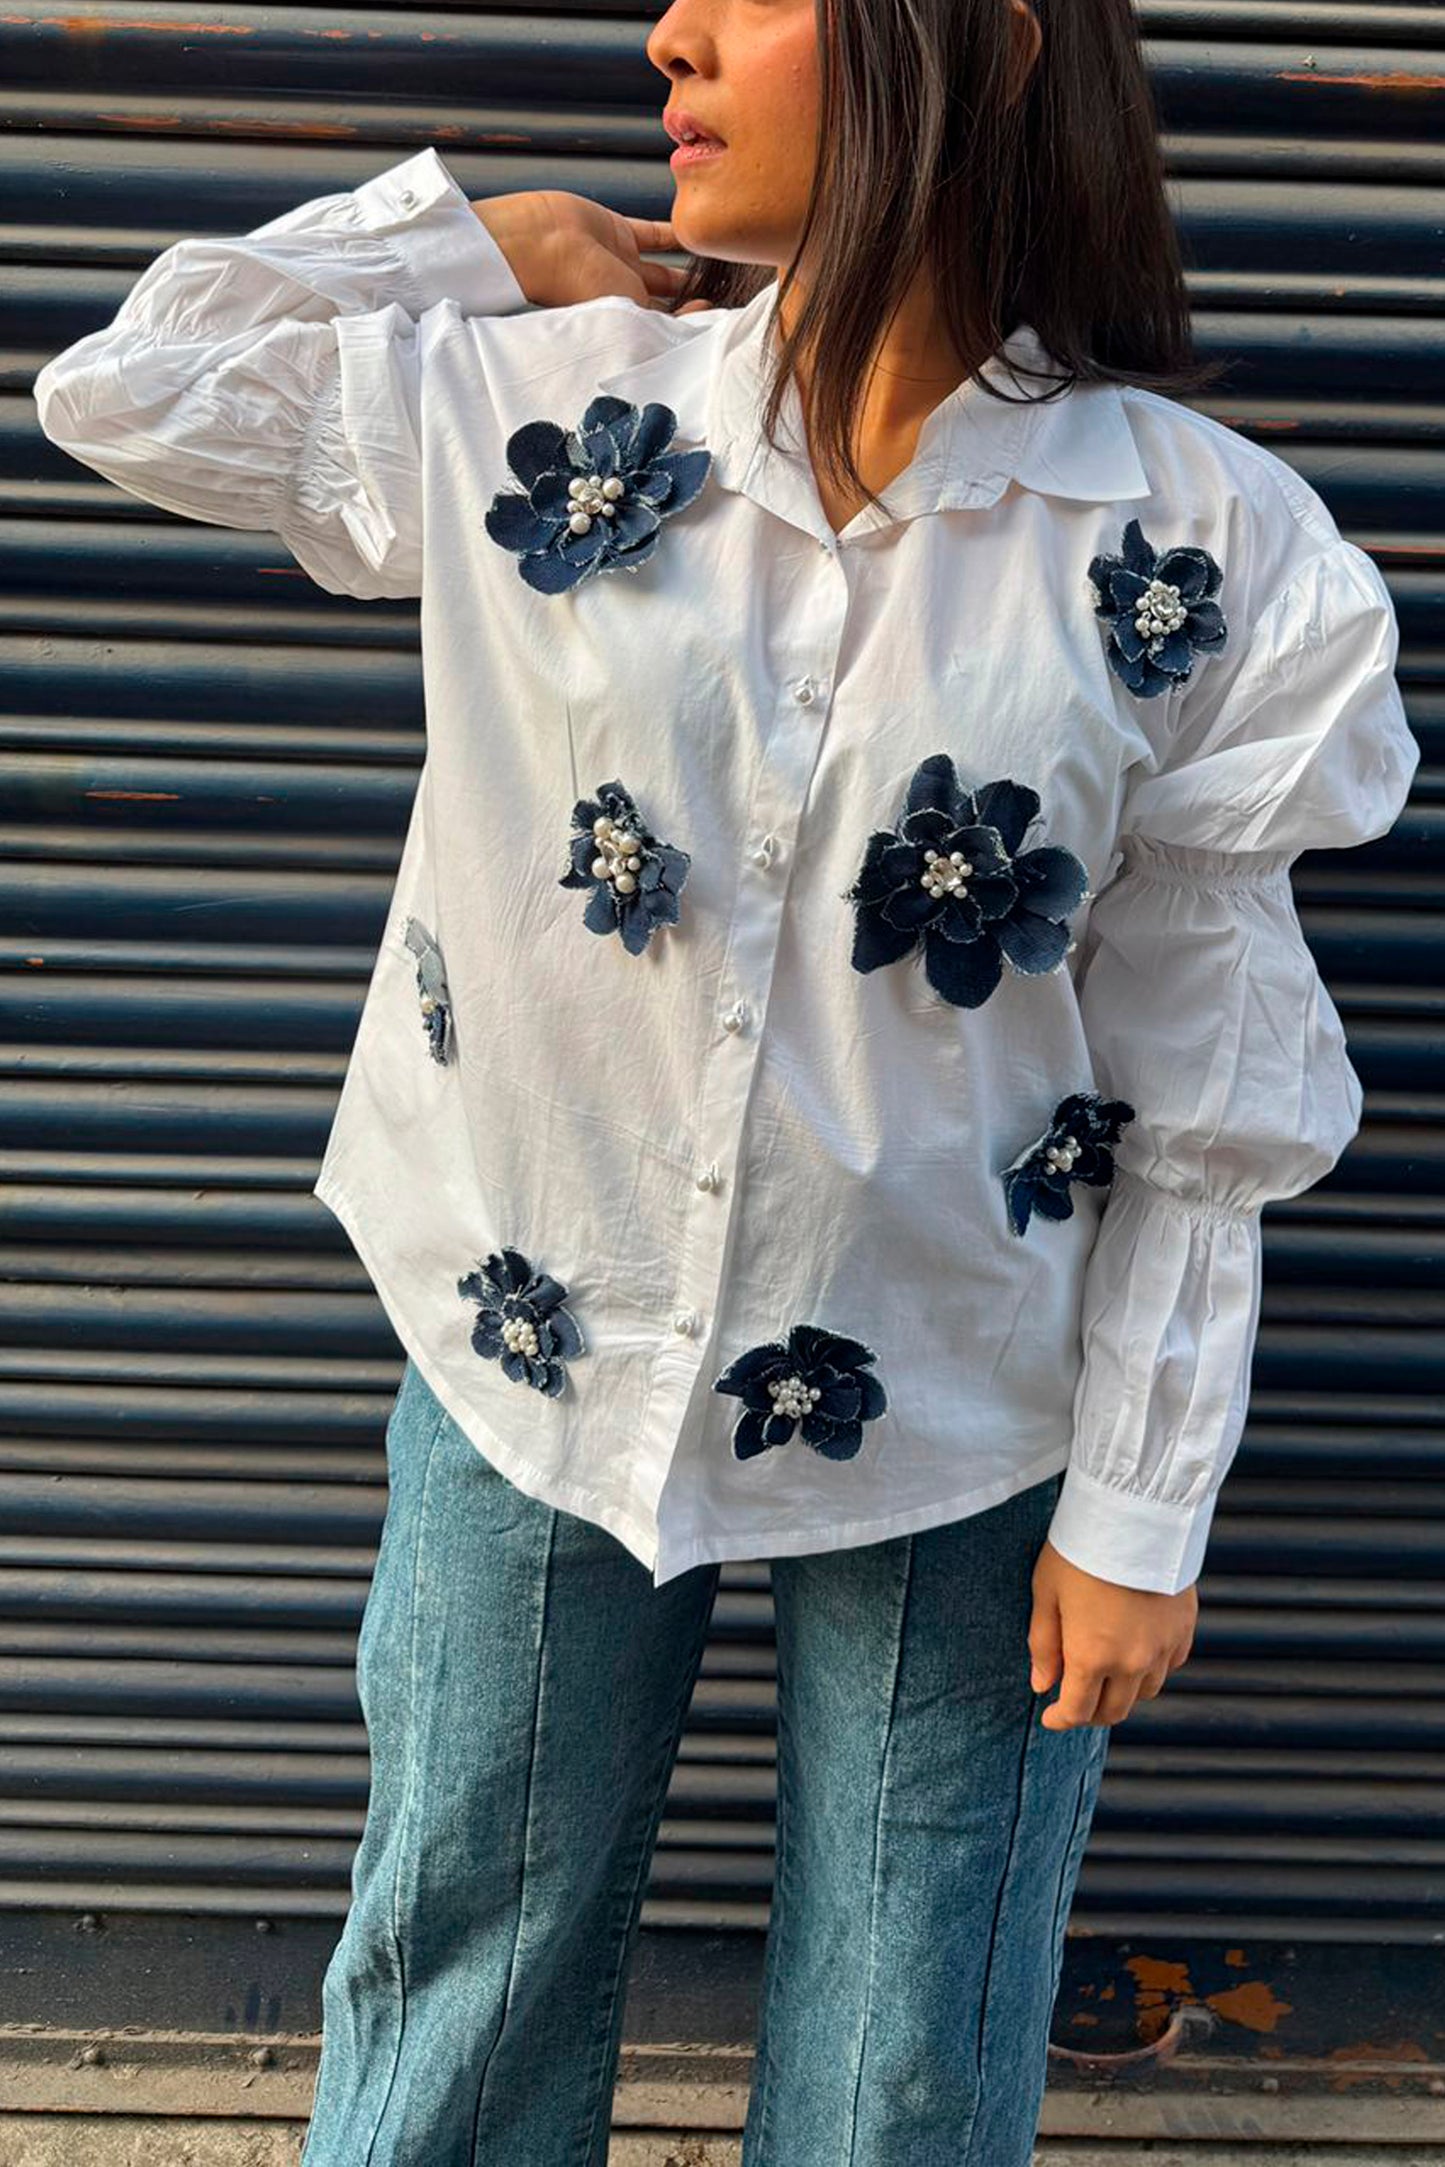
[713, 375]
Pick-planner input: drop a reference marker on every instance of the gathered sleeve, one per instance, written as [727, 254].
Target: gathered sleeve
[271, 380]
[1203, 1008]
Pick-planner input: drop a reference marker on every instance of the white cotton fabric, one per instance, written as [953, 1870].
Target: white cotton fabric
[348, 376]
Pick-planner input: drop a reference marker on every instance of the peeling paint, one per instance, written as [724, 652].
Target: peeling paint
[1253, 2003]
[1399, 81]
[96, 25]
[1363, 2062]
[1159, 1987]
[1158, 1975]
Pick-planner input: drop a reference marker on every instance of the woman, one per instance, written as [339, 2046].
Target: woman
[869, 1177]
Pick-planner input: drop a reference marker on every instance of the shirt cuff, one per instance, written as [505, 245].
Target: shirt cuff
[1123, 1536]
[445, 251]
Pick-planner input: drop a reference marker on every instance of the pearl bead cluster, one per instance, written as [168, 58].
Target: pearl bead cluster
[593, 498]
[618, 859]
[520, 1335]
[1061, 1157]
[792, 1396]
[952, 880]
[1160, 609]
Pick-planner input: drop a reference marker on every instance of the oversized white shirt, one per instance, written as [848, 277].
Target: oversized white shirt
[876, 1117]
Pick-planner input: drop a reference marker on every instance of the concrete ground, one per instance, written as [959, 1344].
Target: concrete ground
[118, 2140]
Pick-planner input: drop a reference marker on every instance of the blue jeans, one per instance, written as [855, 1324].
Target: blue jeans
[525, 1686]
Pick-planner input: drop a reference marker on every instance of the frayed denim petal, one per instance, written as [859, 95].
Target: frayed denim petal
[982, 903]
[549, 573]
[611, 833]
[1192, 570]
[1032, 943]
[876, 942]
[602, 914]
[748, 1434]
[840, 1441]
[747, 1368]
[965, 973]
[515, 1301]
[614, 476]
[1008, 807]
[1077, 1145]
[1171, 588]
[628, 560]
[817, 1385]
[934, 784]
[959, 918]
[534, 449]
[909, 908]
[1051, 881]
[431, 986]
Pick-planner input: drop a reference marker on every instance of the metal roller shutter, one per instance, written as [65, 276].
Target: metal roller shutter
[207, 765]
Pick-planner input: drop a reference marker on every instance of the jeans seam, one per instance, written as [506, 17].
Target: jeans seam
[646, 1837]
[526, 1836]
[780, 1910]
[877, 1844]
[1030, 1717]
[409, 1790]
[1059, 1916]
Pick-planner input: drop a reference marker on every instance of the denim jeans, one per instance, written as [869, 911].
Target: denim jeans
[524, 1688]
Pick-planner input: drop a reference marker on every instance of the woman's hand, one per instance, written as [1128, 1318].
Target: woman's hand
[1115, 1645]
[564, 248]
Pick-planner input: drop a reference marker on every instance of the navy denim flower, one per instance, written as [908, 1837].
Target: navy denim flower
[635, 879]
[431, 985]
[1160, 610]
[951, 874]
[522, 1319]
[1074, 1147]
[595, 497]
[816, 1381]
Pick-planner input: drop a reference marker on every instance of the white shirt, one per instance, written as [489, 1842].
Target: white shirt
[727, 1134]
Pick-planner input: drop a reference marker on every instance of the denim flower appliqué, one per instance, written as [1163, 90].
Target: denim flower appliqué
[951, 874]
[1160, 610]
[635, 878]
[523, 1320]
[431, 985]
[1076, 1146]
[815, 1381]
[593, 498]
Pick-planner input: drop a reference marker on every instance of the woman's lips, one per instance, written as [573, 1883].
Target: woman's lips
[695, 154]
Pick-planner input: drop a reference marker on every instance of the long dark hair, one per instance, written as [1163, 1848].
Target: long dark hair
[1044, 205]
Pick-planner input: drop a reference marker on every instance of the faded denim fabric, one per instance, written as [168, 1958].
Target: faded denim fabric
[525, 1686]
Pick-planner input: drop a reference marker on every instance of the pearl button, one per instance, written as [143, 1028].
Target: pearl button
[763, 855]
[709, 1177]
[684, 1320]
[735, 1017]
[408, 198]
[803, 691]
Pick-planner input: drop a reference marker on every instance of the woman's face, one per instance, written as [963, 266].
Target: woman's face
[747, 72]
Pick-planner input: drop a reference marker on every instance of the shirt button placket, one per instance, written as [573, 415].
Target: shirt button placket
[785, 765]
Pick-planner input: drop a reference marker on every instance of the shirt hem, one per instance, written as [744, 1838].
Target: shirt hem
[793, 1541]
[788, 1540]
[632, 1534]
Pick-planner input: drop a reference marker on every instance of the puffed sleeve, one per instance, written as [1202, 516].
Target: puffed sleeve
[1203, 1008]
[271, 381]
